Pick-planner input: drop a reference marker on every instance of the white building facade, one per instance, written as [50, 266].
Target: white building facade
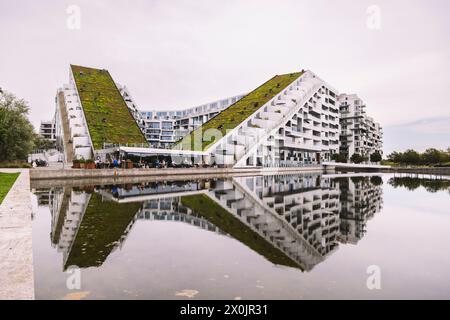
[47, 129]
[72, 134]
[297, 127]
[163, 128]
[303, 125]
[360, 134]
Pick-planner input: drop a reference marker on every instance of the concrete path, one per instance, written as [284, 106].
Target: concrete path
[16, 252]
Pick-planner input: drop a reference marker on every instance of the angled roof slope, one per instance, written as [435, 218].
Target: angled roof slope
[232, 116]
[107, 114]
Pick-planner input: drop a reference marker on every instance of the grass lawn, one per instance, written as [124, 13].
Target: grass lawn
[202, 205]
[107, 114]
[6, 182]
[232, 116]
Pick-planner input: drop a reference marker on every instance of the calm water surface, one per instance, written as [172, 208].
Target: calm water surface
[291, 236]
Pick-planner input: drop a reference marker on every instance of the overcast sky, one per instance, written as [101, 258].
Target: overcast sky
[177, 54]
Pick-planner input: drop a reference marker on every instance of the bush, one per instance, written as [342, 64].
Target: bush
[16, 164]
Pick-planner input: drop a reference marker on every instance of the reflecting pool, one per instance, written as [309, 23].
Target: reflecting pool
[280, 236]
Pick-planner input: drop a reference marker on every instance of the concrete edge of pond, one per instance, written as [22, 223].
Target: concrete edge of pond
[46, 173]
[16, 251]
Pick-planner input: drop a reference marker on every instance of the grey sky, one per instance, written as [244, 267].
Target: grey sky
[174, 54]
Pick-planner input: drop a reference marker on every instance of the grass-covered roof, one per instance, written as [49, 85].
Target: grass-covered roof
[107, 114]
[232, 116]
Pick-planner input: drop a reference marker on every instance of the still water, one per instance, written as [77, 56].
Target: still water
[290, 236]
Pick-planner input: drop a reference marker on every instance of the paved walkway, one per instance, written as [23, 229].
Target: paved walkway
[16, 252]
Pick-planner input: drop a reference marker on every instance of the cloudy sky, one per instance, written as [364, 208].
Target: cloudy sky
[173, 54]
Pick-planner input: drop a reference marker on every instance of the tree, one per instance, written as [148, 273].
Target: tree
[395, 157]
[356, 158]
[40, 143]
[411, 157]
[339, 157]
[375, 157]
[16, 131]
[431, 156]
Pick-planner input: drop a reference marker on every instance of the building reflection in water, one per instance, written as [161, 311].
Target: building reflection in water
[294, 220]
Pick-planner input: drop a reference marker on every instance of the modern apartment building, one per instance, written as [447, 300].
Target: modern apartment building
[47, 130]
[91, 112]
[360, 134]
[163, 128]
[291, 120]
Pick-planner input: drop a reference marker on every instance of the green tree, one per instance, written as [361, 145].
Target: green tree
[411, 157]
[40, 143]
[433, 156]
[395, 157]
[375, 157]
[339, 157]
[16, 131]
[356, 158]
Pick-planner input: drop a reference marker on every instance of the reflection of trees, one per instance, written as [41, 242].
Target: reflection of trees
[412, 183]
[376, 180]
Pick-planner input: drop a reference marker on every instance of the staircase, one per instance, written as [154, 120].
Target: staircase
[251, 133]
[67, 142]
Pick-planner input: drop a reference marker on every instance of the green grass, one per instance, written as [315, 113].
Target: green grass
[107, 114]
[104, 222]
[232, 116]
[202, 205]
[6, 182]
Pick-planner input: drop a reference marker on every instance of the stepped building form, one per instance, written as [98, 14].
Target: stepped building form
[291, 120]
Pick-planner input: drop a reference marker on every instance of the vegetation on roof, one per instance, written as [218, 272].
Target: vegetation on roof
[232, 116]
[107, 114]
[203, 206]
[6, 182]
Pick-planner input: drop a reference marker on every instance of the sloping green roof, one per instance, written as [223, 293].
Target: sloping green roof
[202, 205]
[107, 114]
[232, 116]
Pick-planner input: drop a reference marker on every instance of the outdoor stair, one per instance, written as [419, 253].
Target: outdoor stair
[67, 142]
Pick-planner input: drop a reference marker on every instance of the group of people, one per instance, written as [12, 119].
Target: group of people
[142, 163]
